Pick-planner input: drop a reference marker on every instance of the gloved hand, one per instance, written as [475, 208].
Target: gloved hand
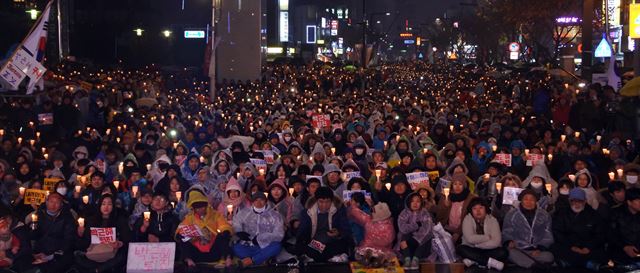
[243, 236]
[255, 241]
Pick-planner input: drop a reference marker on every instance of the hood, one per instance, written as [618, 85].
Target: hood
[317, 149]
[163, 158]
[233, 185]
[457, 162]
[279, 183]
[586, 172]
[352, 164]
[513, 177]
[82, 150]
[539, 171]
[196, 196]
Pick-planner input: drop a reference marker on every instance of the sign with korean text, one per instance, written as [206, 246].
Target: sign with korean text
[50, 183]
[510, 195]
[151, 257]
[415, 179]
[269, 157]
[35, 197]
[321, 121]
[103, 235]
[535, 159]
[12, 75]
[504, 159]
[28, 65]
[346, 176]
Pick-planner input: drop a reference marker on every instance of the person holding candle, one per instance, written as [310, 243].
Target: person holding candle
[364, 204]
[260, 230]
[161, 225]
[536, 181]
[624, 228]
[481, 237]
[93, 191]
[415, 227]
[451, 209]
[142, 204]
[212, 244]
[486, 184]
[18, 233]
[584, 181]
[234, 197]
[92, 257]
[53, 236]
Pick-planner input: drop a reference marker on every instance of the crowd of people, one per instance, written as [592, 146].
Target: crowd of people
[318, 163]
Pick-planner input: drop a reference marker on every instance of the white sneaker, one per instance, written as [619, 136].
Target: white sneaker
[467, 262]
[495, 264]
[342, 258]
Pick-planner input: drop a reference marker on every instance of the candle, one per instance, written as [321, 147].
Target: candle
[446, 192]
[563, 137]
[333, 150]
[378, 173]
[32, 142]
[178, 195]
[572, 177]
[21, 189]
[34, 217]
[425, 150]
[612, 176]
[46, 156]
[85, 199]
[229, 209]
[121, 167]
[494, 147]
[1, 132]
[598, 138]
[261, 171]
[83, 179]
[147, 215]
[134, 190]
[451, 128]
[620, 172]
[19, 140]
[78, 188]
[291, 190]
[116, 183]
[550, 156]
[388, 186]
[576, 134]
[149, 167]
[548, 187]
[486, 176]
[385, 144]
[498, 186]
[526, 152]
[37, 134]
[81, 222]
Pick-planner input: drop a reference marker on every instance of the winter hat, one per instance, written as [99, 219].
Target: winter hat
[196, 197]
[380, 212]
[577, 194]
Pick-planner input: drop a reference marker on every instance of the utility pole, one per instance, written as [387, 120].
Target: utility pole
[212, 57]
[587, 39]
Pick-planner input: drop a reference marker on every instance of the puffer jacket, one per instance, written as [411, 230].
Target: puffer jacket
[267, 227]
[491, 238]
[516, 228]
[408, 224]
[378, 234]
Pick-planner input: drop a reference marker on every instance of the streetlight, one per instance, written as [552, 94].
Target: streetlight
[138, 31]
[166, 33]
[33, 13]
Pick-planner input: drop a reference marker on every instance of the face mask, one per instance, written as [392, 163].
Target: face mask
[632, 179]
[259, 210]
[564, 191]
[80, 156]
[536, 185]
[359, 151]
[62, 191]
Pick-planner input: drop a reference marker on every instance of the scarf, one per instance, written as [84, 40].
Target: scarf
[453, 197]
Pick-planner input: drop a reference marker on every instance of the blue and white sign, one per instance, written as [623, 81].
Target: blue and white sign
[194, 34]
[603, 50]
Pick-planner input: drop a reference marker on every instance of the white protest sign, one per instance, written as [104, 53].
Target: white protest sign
[346, 195]
[415, 179]
[269, 157]
[28, 65]
[504, 159]
[259, 163]
[103, 235]
[535, 159]
[12, 75]
[346, 176]
[510, 195]
[151, 257]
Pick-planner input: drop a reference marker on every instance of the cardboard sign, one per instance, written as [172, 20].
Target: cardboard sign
[151, 257]
[103, 235]
[189, 231]
[35, 197]
[504, 159]
[346, 176]
[269, 157]
[535, 159]
[510, 195]
[50, 183]
[346, 195]
[259, 163]
[45, 118]
[321, 121]
[415, 179]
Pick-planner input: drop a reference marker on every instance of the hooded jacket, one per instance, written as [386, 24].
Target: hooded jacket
[267, 227]
[309, 219]
[417, 224]
[377, 234]
[593, 198]
[492, 238]
[285, 205]
[536, 236]
[238, 203]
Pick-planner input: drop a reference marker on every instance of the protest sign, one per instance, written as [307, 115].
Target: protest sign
[504, 159]
[50, 183]
[103, 235]
[151, 257]
[415, 179]
[321, 121]
[535, 159]
[269, 157]
[510, 194]
[35, 197]
[346, 176]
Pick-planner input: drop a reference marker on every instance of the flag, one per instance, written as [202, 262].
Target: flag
[27, 58]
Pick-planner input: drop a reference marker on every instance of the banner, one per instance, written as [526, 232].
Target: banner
[504, 159]
[103, 235]
[346, 176]
[35, 197]
[415, 179]
[321, 121]
[151, 257]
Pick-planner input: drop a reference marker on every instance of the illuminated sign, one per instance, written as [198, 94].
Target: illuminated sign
[409, 42]
[194, 34]
[634, 21]
[568, 20]
[513, 55]
[284, 26]
[514, 47]
[334, 27]
[603, 50]
[275, 50]
[311, 34]
[283, 4]
[406, 35]
[613, 11]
